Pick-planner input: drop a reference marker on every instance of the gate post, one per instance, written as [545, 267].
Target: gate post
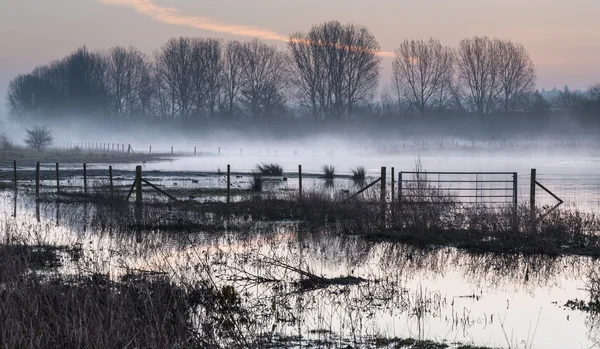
[532, 191]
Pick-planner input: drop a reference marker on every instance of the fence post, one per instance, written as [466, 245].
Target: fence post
[110, 178]
[171, 150]
[37, 179]
[138, 185]
[532, 191]
[400, 187]
[228, 183]
[515, 189]
[150, 150]
[393, 185]
[85, 178]
[194, 150]
[57, 180]
[15, 173]
[128, 148]
[219, 151]
[383, 175]
[300, 181]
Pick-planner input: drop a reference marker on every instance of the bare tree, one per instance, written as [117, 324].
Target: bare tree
[85, 83]
[128, 79]
[517, 75]
[422, 74]
[39, 137]
[264, 79]
[174, 74]
[567, 100]
[207, 70]
[232, 75]
[334, 67]
[478, 69]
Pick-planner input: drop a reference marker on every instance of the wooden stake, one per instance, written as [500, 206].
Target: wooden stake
[300, 181]
[110, 178]
[228, 183]
[37, 179]
[57, 180]
[85, 179]
[138, 185]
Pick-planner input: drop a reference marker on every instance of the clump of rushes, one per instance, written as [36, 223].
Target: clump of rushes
[256, 182]
[270, 169]
[359, 173]
[328, 171]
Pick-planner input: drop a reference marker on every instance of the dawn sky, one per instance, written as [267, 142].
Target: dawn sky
[563, 37]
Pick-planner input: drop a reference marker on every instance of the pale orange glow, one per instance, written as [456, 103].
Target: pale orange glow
[173, 16]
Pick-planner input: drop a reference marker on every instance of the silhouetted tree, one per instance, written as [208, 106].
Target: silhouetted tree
[517, 75]
[128, 81]
[207, 70]
[478, 69]
[175, 78]
[264, 78]
[422, 74]
[232, 76]
[334, 68]
[39, 137]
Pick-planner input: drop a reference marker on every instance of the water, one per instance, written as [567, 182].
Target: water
[441, 294]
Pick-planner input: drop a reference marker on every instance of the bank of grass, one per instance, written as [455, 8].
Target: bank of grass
[28, 156]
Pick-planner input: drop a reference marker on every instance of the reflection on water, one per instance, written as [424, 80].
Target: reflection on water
[501, 300]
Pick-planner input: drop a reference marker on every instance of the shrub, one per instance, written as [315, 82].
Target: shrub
[39, 137]
[270, 169]
[359, 173]
[5, 142]
[328, 171]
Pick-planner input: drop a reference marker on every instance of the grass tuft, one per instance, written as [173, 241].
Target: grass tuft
[328, 171]
[271, 169]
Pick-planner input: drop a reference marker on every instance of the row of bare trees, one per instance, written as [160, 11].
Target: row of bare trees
[481, 75]
[331, 72]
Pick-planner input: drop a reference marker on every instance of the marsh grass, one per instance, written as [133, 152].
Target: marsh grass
[271, 169]
[328, 171]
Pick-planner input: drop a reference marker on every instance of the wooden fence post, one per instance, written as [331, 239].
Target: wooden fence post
[400, 187]
[57, 180]
[194, 150]
[300, 181]
[128, 148]
[228, 183]
[515, 189]
[138, 185]
[15, 173]
[171, 150]
[150, 150]
[110, 178]
[85, 179]
[532, 191]
[219, 151]
[383, 187]
[37, 179]
[393, 185]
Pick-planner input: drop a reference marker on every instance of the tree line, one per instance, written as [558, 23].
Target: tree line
[331, 72]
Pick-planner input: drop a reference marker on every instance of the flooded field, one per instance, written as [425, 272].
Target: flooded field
[390, 291]
[289, 286]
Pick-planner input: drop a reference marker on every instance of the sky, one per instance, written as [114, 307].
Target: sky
[562, 37]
